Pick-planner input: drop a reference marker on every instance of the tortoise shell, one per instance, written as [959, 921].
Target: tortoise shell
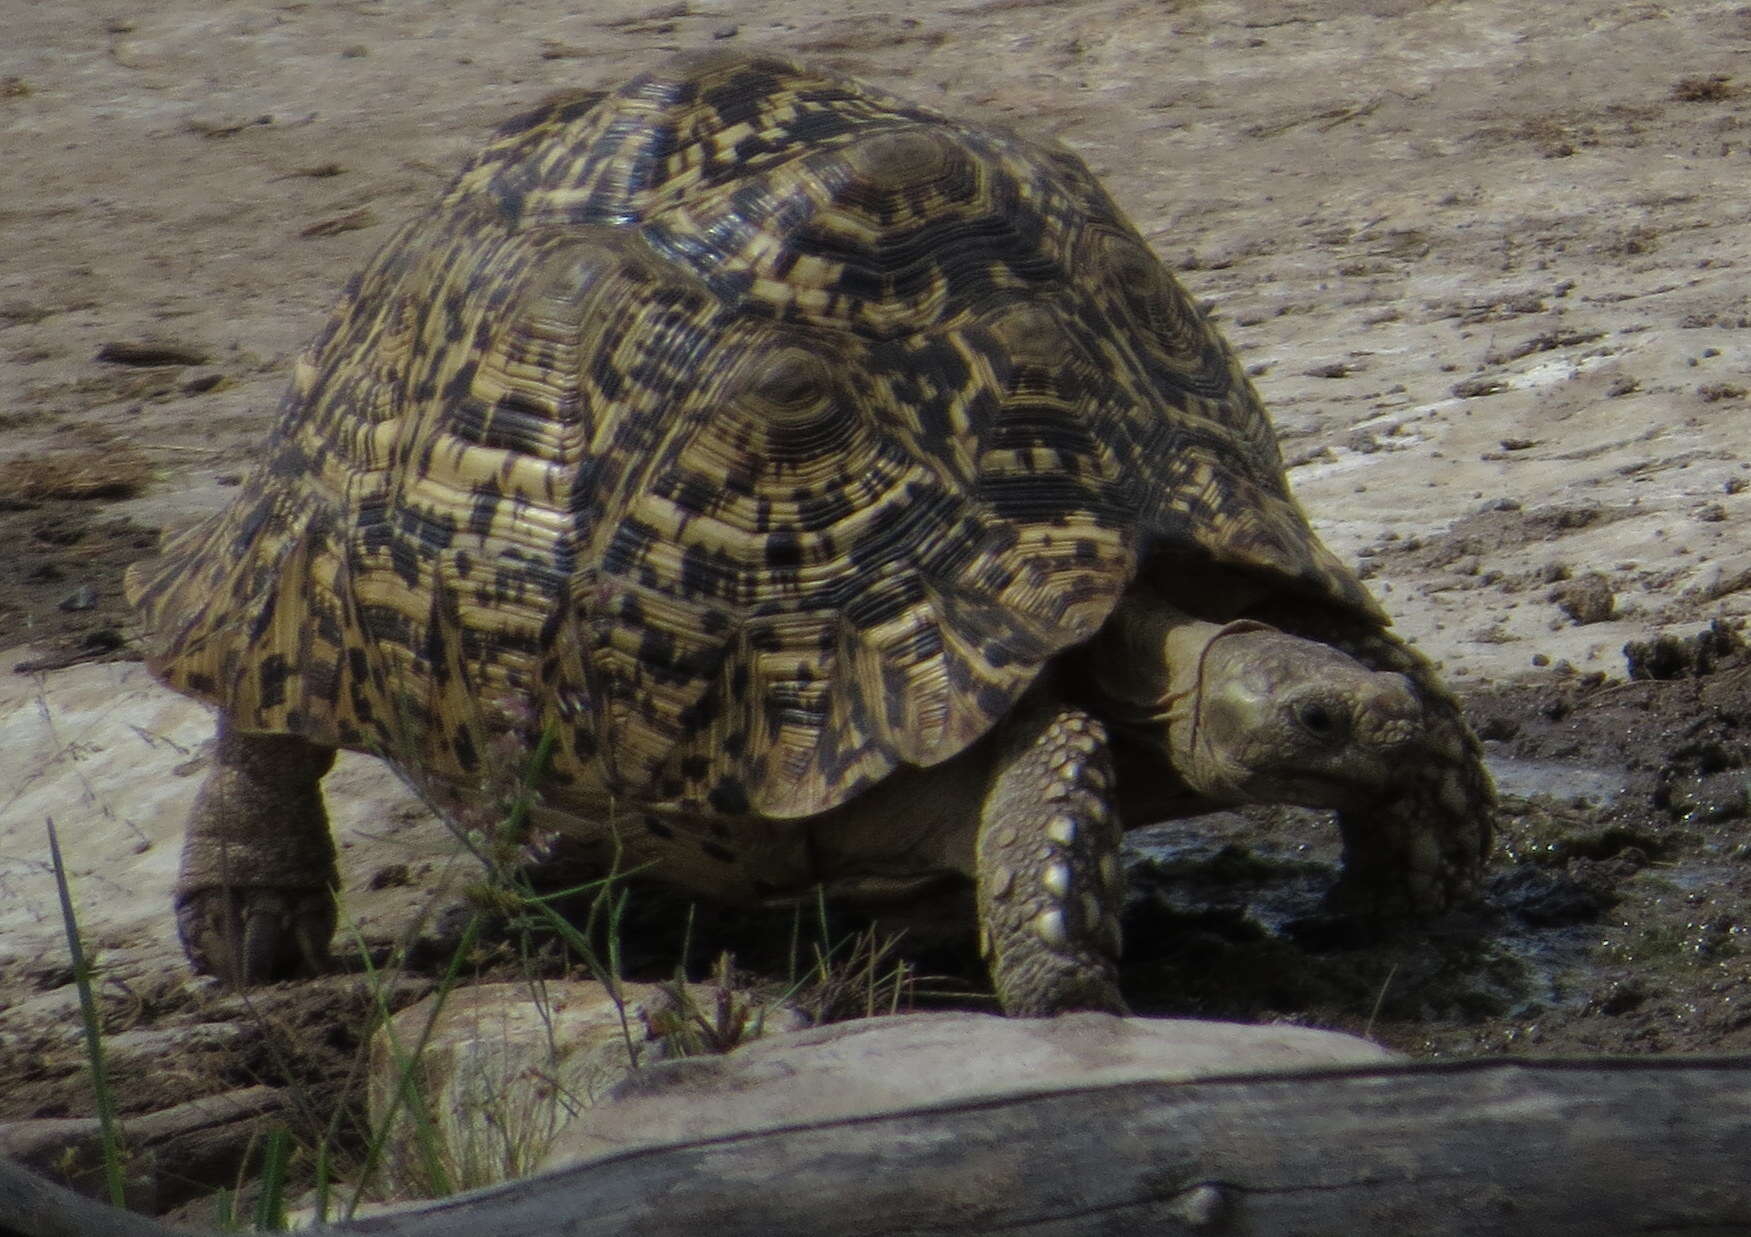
[749, 431]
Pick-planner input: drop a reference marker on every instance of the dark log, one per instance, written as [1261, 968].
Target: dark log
[1487, 1146]
[38, 1142]
[171, 1155]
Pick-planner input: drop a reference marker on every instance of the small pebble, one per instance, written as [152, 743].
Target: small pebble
[82, 598]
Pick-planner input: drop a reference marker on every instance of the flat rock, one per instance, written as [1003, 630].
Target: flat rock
[502, 1068]
[907, 1061]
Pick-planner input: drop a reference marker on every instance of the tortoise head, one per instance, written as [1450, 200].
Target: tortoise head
[1245, 713]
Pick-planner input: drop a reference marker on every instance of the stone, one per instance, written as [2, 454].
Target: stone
[905, 1061]
[1586, 599]
[505, 1066]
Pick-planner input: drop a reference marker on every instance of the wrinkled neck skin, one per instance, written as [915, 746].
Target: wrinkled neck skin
[1150, 666]
[1239, 712]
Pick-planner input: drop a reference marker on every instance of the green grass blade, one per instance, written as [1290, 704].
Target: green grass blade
[109, 1130]
[407, 1094]
[270, 1204]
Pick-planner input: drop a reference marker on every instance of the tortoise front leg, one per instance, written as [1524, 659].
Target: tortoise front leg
[255, 898]
[1425, 848]
[1050, 886]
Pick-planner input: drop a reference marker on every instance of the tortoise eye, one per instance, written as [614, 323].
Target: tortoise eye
[791, 384]
[1320, 719]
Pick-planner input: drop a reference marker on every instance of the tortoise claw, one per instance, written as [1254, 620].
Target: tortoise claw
[256, 936]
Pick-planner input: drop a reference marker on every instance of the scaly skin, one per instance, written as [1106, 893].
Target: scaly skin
[1419, 846]
[1423, 849]
[1245, 713]
[1050, 887]
[255, 898]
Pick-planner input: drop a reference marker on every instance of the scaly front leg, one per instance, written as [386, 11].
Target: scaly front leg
[1050, 886]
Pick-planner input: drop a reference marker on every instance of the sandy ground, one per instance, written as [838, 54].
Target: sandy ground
[1486, 262]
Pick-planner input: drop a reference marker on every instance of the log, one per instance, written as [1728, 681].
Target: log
[171, 1155]
[1487, 1146]
[229, 1114]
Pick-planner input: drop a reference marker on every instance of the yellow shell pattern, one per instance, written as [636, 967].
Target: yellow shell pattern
[754, 432]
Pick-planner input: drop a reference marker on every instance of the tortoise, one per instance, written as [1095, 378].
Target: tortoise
[843, 495]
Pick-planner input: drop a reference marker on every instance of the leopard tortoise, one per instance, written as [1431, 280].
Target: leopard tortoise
[846, 495]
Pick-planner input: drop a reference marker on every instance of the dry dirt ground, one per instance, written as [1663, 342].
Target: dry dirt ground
[1487, 261]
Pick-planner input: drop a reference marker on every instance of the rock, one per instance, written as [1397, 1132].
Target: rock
[505, 1066]
[1670, 656]
[889, 1064]
[169, 1155]
[499, 1072]
[82, 598]
[107, 754]
[1586, 599]
[1722, 578]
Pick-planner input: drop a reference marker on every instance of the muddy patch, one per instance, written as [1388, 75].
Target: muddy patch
[61, 565]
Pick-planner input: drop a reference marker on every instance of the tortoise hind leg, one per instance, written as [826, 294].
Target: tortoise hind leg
[255, 898]
[1050, 887]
